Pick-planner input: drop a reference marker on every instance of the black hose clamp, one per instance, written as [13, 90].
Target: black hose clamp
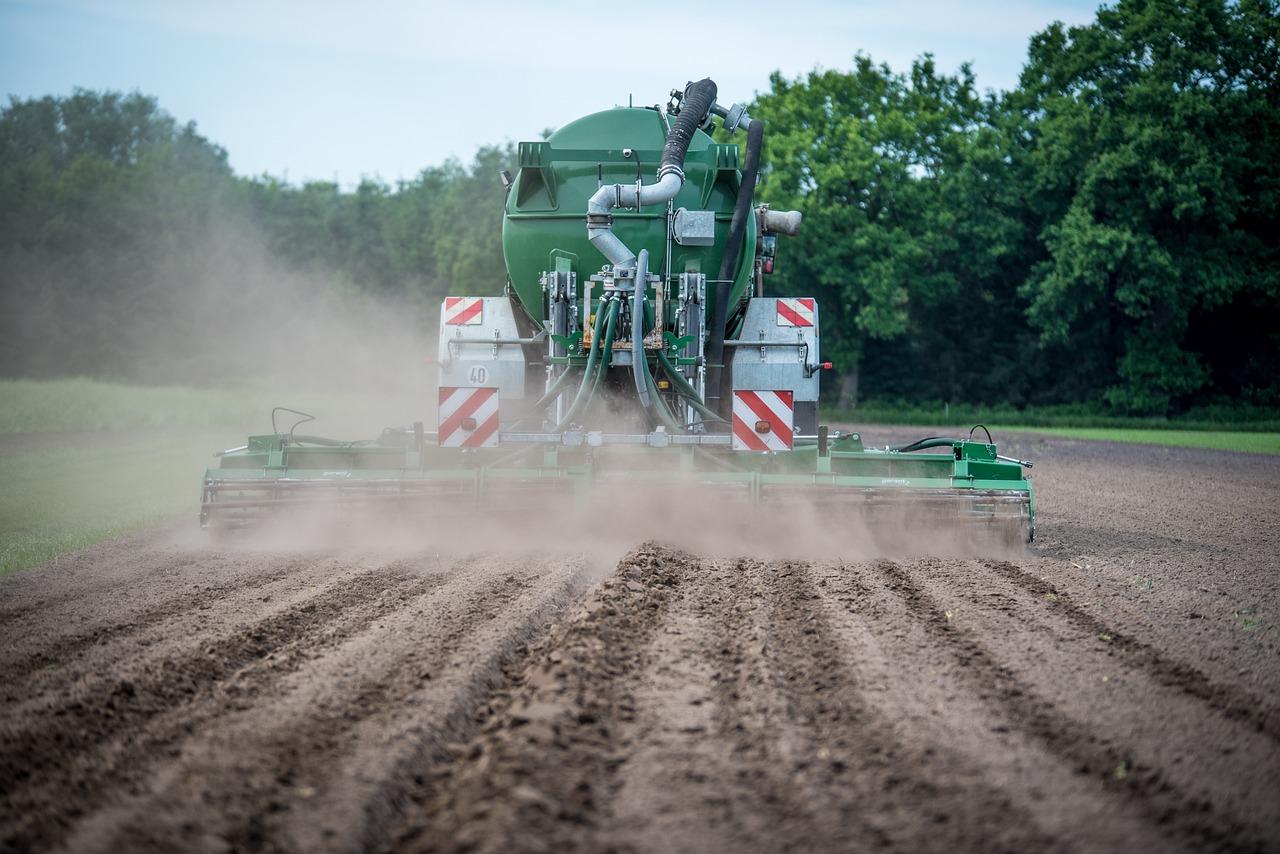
[599, 220]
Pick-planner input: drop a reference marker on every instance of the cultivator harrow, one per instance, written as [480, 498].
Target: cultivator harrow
[833, 475]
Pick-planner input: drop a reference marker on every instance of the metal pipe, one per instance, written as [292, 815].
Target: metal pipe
[453, 343]
[697, 102]
[734, 117]
[576, 438]
[1015, 460]
[780, 222]
[532, 340]
[610, 196]
[743, 342]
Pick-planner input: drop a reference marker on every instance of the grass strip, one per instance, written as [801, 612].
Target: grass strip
[58, 501]
[1218, 440]
[45, 406]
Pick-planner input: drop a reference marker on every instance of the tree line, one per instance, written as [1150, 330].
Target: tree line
[129, 250]
[1104, 233]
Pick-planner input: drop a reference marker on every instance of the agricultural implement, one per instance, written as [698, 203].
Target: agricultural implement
[632, 350]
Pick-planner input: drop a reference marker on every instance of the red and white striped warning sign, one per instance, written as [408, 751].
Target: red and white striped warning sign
[795, 311]
[468, 417]
[466, 311]
[762, 420]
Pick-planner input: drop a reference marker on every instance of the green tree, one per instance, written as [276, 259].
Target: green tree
[1149, 153]
[906, 231]
[98, 192]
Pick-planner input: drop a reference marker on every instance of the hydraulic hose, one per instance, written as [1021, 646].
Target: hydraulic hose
[733, 246]
[923, 444]
[585, 387]
[639, 366]
[664, 413]
[600, 368]
[606, 349]
[687, 391]
[557, 386]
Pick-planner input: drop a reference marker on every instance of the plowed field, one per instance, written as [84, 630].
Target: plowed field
[1114, 687]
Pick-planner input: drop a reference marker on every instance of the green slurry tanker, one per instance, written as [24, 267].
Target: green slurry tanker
[634, 348]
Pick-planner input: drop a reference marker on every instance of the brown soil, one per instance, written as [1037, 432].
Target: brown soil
[1115, 687]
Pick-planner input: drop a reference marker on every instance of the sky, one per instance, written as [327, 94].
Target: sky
[317, 90]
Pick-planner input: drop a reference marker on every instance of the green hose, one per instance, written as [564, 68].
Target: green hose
[608, 317]
[591, 362]
[557, 388]
[686, 391]
[553, 392]
[659, 405]
[606, 350]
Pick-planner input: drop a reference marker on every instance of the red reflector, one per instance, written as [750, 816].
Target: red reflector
[768, 265]
[826, 366]
[468, 424]
[762, 427]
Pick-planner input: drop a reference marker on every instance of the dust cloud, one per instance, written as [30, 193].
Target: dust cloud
[224, 310]
[711, 521]
[227, 310]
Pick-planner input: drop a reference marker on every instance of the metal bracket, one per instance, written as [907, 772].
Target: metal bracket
[495, 341]
[659, 438]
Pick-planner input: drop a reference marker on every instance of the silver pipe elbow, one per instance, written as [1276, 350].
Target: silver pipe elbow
[602, 202]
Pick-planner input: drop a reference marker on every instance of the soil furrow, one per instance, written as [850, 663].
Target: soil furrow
[542, 773]
[58, 652]
[294, 770]
[160, 694]
[773, 713]
[912, 794]
[79, 745]
[699, 774]
[1231, 701]
[908, 682]
[1079, 672]
[309, 751]
[423, 741]
[1185, 818]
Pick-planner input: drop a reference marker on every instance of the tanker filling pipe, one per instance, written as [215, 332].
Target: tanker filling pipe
[695, 106]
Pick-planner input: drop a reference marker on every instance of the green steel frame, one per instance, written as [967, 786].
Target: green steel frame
[276, 469]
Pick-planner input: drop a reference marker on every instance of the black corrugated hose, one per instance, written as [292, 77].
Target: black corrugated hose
[732, 247]
[695, 104]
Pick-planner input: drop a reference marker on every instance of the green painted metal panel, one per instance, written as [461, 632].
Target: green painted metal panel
[546, 207]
